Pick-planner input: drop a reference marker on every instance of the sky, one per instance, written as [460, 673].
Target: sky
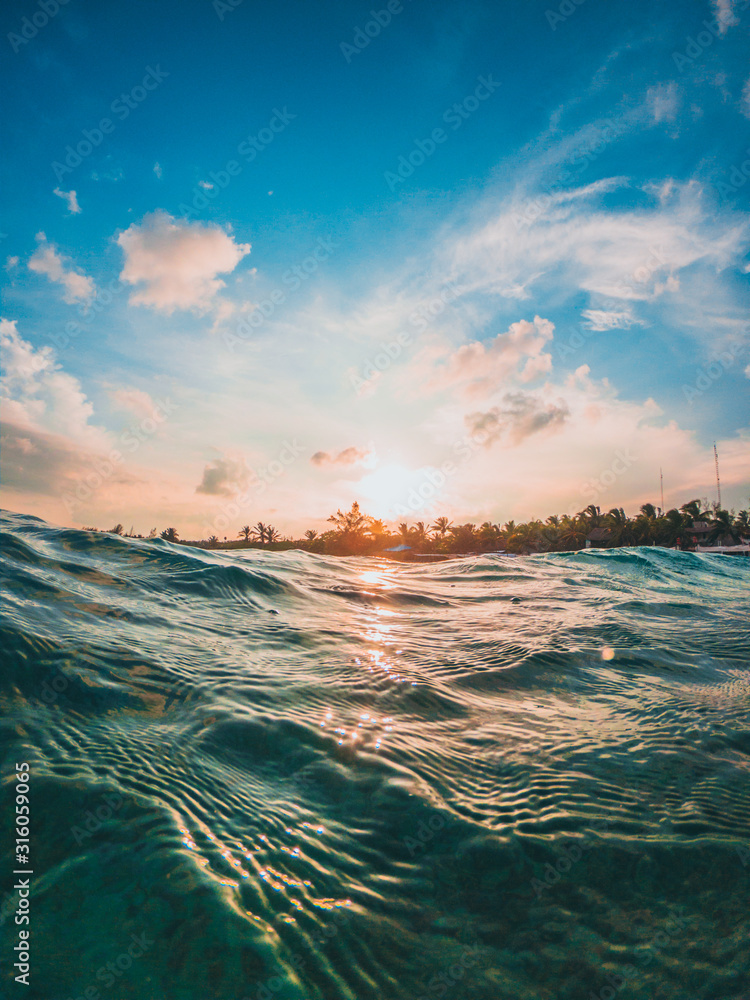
[489, 261]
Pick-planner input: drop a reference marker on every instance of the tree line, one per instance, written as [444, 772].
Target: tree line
[355, 533]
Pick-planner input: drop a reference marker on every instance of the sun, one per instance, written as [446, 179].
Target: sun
[385, 488]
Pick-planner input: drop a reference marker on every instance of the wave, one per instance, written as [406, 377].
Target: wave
[338, 778]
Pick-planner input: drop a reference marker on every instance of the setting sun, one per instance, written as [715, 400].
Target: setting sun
[387, 489]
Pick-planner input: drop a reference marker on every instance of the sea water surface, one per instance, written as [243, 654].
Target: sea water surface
[293, 776]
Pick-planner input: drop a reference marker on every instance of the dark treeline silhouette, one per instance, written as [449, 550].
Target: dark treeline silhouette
[353, 532]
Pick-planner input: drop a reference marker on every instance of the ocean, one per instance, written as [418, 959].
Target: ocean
[258, 775]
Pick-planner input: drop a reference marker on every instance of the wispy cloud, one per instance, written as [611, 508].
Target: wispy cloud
[48, 261]
[70, 197]
[602, 319]
[349, 456]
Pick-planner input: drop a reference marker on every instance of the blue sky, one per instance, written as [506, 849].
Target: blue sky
[493, 263]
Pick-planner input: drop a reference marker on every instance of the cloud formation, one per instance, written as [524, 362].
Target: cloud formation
[479, 368]
[223, 478]
[602, 319]
[349, 456]
[175, 263]
[47, 261]
[70, 197]
[36, 393]
[518, 416]
[725, 12]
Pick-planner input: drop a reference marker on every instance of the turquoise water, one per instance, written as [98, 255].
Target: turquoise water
[283, 775]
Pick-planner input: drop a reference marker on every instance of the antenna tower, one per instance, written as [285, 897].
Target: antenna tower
[661, 480]
[718, 481]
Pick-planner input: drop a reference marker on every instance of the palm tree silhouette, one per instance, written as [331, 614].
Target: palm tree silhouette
[441, 526]
[170, 535]
[245, 532]
[259, 531]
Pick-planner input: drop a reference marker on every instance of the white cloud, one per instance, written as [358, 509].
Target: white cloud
[577, 243]
[725, 12]
[37, 394]
[663, 101]
[46, 260]
[11, 263]
[175, 263]
[602, 319]
[478, 368]
[157, 170]
[206, 185]
[135, 401]
[70, 196]
[746, 99]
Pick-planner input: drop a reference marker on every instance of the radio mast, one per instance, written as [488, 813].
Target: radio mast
[718, 481]
[661, 480]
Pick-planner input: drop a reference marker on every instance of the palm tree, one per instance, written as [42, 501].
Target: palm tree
[692, 509]
[573, 531]
[117, 530]
[245, 532]
[464, 537]
[742, 522]
[404, 530]
[723, 528]
[259, 531]
[170, 535]
[489, 535]
[272, 535]
[441, 526]
[350, 522]
[620, 527]
[673, 527]
[213, 542]
[592, 515]
[311, 534]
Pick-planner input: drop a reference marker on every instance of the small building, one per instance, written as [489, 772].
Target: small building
[598, 538]
[698, 531]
